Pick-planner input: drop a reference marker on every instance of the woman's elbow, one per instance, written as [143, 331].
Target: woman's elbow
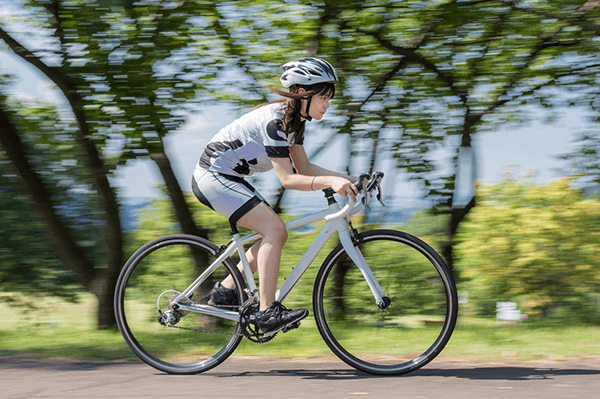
[288, 185]
[301, 170]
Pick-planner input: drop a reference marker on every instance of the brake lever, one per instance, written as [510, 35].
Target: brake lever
[376, 181]
[362, 185]
[363, 181]
[366, 184]
[365, 201]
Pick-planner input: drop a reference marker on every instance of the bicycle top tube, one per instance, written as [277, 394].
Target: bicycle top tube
[331, 214]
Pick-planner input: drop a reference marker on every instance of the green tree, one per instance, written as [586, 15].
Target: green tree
[27, 264]
[127, 71]
[533, 244]
[417, 77]
[466, 67]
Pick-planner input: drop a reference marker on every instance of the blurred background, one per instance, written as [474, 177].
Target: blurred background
[483, 115]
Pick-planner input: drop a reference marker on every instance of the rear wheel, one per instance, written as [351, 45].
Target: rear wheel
[417, 319]
[163, 336]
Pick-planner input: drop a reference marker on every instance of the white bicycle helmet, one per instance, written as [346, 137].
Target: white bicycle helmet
[308, 71]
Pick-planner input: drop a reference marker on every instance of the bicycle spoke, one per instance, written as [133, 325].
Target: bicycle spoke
[403, 336]
[159, 332]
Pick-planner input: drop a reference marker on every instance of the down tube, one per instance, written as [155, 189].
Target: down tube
[311, 253]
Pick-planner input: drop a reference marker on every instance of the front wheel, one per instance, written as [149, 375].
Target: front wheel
[148, 314]
[420, 314]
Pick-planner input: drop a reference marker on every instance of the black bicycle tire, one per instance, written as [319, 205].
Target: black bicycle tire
[447, 329]
[119, 297]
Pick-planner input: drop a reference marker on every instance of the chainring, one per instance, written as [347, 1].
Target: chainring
[249, 328]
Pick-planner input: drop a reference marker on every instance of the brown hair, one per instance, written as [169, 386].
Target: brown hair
[292, 102]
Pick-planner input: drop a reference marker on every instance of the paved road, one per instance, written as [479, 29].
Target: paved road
[258, 378]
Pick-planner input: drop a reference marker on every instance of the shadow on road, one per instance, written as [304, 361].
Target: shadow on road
[508, 373]
[503, 373]
[320, 371]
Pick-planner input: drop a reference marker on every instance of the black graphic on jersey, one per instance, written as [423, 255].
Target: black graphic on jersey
[213, 150]
[277, 152]
[273, 127]
[243, 168]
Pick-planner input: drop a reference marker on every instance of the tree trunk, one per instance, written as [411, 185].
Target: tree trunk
[182, 210]
[104, 289]
[280, 193]
[112, 234]
[458, 213]
[339, 285]
[456, 217]
[30, 183]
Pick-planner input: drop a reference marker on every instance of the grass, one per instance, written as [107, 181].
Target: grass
[64, 330]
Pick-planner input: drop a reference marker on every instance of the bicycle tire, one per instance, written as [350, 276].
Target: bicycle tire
[416, 325]
[151, 276]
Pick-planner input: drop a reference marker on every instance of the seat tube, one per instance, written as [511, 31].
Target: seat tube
[247, 271]
[361, 263]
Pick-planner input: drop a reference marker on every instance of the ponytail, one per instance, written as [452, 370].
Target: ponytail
[292, 102]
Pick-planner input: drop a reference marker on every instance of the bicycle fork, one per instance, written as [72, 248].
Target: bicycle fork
[359, 260]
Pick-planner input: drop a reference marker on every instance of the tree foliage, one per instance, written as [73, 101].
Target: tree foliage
[32, 268]
[125, 69]
[533, 244]
[28, 265]
[415, 77]
[419, 77]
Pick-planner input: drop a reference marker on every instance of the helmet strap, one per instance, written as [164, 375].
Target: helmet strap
[308, 117]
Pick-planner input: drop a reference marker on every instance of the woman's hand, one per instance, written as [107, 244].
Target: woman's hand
[344, 187]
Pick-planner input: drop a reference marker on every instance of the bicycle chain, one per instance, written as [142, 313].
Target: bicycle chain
[248, 329]
[244, 333]
[210, 331]
[204, 331]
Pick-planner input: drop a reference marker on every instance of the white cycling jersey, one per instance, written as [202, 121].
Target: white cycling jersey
[245, 145]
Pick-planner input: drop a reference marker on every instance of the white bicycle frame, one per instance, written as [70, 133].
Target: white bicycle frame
[335, 222]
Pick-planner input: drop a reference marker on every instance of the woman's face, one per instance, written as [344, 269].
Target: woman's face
[318, 106]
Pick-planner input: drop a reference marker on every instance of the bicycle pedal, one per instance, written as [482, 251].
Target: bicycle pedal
[291, 326]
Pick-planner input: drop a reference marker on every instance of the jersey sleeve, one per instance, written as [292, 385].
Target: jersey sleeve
[275, 140]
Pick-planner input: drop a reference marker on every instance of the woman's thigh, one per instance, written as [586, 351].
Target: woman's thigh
[263, 220]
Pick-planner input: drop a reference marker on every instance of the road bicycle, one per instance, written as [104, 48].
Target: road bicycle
[383, 301]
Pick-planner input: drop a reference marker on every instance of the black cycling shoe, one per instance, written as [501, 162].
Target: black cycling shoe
[221, 296]
[277, 318]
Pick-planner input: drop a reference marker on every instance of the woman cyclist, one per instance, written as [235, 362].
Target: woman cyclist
[270, 136]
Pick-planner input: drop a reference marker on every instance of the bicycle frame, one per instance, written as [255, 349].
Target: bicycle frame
[338, 225]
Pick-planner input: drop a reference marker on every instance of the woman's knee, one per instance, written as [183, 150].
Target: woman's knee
[277, 231]
[267, 223]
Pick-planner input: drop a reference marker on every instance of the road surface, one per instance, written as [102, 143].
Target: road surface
[277, 378]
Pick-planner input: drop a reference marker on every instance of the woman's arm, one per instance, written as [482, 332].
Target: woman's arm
[304, 167]
[340, 183]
